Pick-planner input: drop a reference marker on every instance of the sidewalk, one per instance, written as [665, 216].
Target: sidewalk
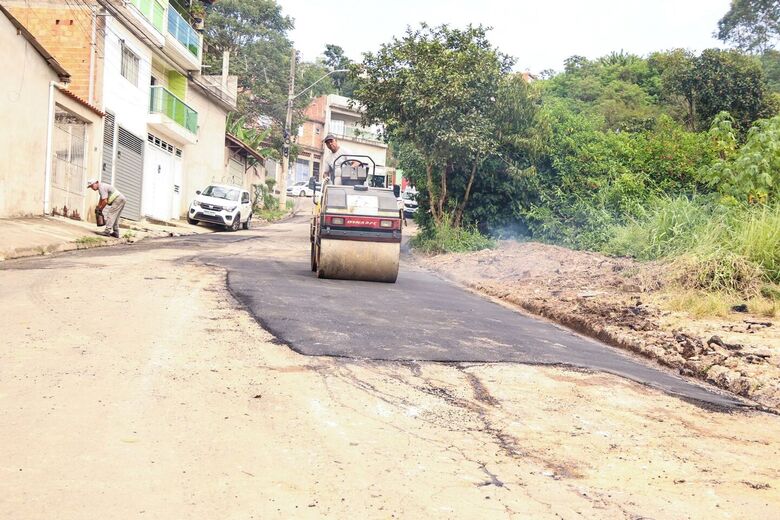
[22, 237]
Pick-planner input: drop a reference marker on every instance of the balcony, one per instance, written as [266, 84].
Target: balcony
[171, 116]
[153, 11]
[184, 41]
[358, 134]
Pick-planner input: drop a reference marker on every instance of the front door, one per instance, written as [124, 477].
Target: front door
[69, 164]
[246, 205]
[161, 166]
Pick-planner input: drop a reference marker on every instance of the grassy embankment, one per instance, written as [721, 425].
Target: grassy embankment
[719, 256]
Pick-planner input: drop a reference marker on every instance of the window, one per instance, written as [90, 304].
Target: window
[244, 197]
[337, 127]
[220, 192]
[130, 62]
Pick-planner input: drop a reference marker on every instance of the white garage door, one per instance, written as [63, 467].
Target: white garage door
[162, 177]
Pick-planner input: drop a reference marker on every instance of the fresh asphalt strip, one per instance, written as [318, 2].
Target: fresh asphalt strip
[423, 318]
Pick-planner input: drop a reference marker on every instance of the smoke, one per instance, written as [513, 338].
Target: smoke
[514, 230]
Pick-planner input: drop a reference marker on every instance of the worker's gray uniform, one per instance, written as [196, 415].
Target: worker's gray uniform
[116, 203]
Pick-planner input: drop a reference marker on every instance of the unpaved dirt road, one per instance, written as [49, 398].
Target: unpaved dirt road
[133, 385]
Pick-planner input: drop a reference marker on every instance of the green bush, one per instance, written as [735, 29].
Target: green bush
[264, 197]
[446, 238]
[719, 271]
[751, 173]
[586, 181]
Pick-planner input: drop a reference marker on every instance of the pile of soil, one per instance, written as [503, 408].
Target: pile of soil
[619, 301]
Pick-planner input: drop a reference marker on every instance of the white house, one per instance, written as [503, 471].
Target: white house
[139, 62]
[159, 109]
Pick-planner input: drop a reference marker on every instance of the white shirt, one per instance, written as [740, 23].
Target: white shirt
[331, 158]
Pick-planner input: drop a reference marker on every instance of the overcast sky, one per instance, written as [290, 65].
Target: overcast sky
[540, 34]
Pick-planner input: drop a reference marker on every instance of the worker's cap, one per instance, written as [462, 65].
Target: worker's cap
[91, 182]
[329, 137]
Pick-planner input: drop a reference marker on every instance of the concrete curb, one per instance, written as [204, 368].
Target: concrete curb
[75, 245]
[26, 252]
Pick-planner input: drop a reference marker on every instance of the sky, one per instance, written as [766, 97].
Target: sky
[540, 34]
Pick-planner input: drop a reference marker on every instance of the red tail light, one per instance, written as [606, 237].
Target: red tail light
[363, 222]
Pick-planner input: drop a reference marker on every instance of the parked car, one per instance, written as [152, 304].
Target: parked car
[409, 198]
[300, 189]
[229, 206]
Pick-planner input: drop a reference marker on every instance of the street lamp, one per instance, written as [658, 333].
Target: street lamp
[291, 96]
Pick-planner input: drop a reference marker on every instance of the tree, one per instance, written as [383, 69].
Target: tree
[752, 172]
[677, 70]
[255, 34]
[251, 136]
[751, 25]
[311, 74]
[771, 62]
[621, 88]
[335, 59]
[714, 82]
[435, 89]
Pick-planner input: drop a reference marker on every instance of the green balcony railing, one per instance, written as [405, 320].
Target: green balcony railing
[183, 32]
[358, 132]
[163, 101]
[153, 10]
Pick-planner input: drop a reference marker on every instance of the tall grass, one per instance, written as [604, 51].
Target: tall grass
[446, 238]
[757, 237]
[732, 248]
[669, 228]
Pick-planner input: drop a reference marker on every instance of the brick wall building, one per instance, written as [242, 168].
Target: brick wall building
[73, 34]
[309, 141]
[332, 114]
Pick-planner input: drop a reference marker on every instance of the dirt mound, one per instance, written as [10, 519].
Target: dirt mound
[619, 301]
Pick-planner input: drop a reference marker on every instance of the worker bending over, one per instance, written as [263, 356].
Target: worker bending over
[109, 196]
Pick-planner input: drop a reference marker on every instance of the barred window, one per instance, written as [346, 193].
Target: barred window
[130, 62]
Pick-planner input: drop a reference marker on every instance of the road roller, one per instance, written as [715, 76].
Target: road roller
[356, 224]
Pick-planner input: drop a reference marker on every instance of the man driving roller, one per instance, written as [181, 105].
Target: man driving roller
[337, 156]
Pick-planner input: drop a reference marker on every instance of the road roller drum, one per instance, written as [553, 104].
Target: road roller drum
[350, 260]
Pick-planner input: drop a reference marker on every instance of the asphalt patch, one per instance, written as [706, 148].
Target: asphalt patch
[423, 318]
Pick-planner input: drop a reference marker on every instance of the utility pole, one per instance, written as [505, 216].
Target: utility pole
[287, 137]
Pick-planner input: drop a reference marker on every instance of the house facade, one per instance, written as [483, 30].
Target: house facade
[332, 114]
[140, 61]
[168, 121]
[50, 154]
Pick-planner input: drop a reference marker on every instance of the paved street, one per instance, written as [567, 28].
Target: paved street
[136, 382]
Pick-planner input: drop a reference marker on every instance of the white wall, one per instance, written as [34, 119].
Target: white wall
[24, 107]
[129, 103]
[204, 161]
